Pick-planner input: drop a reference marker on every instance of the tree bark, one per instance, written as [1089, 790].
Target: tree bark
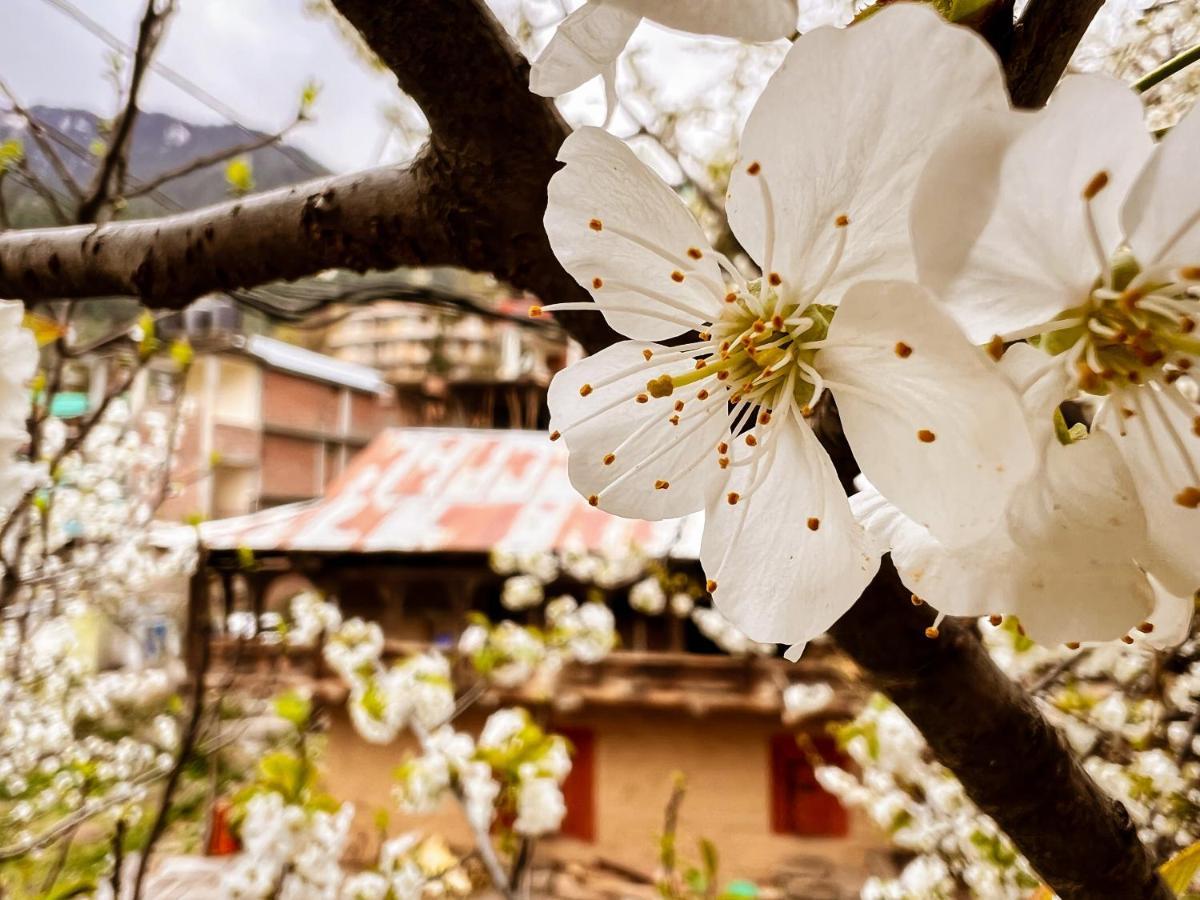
[475, 198]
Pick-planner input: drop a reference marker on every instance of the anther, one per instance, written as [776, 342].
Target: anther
[710, 586]
[1196, 426]
[753, 169]
[535, 312]
[1190, 273]
[774, 279]
[646, 354]
[777, 322]
[701, 364]
[1098, 183]
[760, 326]
[996, 621]
[704, 336]
[609, 459]
[1187, 325]
[916, 601]
[1146, 627]
[995, 347]
[593, 500]
[730, 297]
[555, 435]
[723, 462]
[751, 441]
[595, 225]
[584, 390]
[662, 386]
[694, 253]
[1072, 645]
[932, 632]
[722, 448]
[677, 276]
[813, 523]
[674, 420]
[702, 394]
[661, 485]
[764, 417]
[642, 398]
[723, 375]
[842, 221]
[903, 350]
[597, 283]
[1127, 639]
[925, 436]
[806, 410]
[1189, 497]
[678, 406]
[733, 497]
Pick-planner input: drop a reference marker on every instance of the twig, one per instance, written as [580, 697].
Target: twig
[1167, 69]
[188, 741]
[118, 851]
[40, 137]
[109, 180]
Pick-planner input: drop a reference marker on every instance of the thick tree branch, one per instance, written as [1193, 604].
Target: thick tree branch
[1041, 45]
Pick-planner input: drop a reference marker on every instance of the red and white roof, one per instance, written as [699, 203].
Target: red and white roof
[420, 490]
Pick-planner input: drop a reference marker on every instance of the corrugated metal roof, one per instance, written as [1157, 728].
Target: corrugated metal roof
[432, 489]
[290, 358]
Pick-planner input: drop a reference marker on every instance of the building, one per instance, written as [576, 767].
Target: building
[264, 422]
[403, 537]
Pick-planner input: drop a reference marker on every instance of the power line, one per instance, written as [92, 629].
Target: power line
[185, 84]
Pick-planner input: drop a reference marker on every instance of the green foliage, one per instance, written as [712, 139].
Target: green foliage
[12, 152]
[239, 175]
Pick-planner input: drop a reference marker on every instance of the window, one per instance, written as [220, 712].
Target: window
[799, 805]
[579, 788]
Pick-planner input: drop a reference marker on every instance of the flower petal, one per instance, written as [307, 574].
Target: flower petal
[765, 20]
[1161, 215]
[932, 422]
[1000, 227]
[585, 44]
[647, 448]
[1171, 618]
[788, 557]
[825, 147]
[626, 237]
[1160, 443]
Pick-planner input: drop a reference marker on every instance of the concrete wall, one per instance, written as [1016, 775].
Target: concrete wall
[727, 763]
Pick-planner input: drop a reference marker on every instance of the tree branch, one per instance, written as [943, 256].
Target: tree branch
[1041, 45]
[109, 180]
[42, 140]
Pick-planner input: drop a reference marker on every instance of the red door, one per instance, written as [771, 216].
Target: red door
[579, 790]
[799, 805]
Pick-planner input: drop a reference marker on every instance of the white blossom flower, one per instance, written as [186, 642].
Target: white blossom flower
[540, 807]
[18, 362]
[1069, 227]
[502, 726]
[480, 790]
[521, 592]
[820, 200]
[1071, 560]
[648, 597]
[589, 40]
[801, 700]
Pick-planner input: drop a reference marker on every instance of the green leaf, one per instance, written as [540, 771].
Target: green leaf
[294, 708]
[12, 152]
[239, 174]
[1180, 870]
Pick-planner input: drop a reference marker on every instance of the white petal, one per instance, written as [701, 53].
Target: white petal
[1043, 383]
[763, 20]
[783, 581]
[1162, 450]
[827, 146]
[585, 44]
[1171, 618]
[610, 218]
[938, 429]
[1032, 257]
[671, 447]
[1161, 215]
[1071, 577]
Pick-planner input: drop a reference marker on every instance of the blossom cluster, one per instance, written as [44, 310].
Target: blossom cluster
[952, 272]
[1127, 711]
